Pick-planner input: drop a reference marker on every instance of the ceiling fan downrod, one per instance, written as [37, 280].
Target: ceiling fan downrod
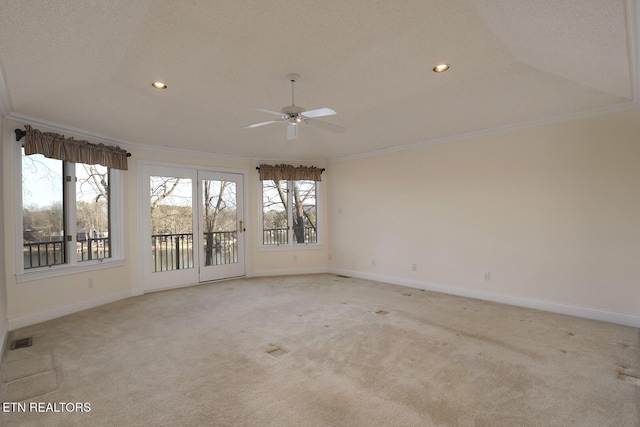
[292, 78]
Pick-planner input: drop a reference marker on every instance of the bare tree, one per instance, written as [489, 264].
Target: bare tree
[97, 181]
[161, 188]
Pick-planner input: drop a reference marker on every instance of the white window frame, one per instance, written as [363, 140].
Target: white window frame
[72, 266]
[290, 237]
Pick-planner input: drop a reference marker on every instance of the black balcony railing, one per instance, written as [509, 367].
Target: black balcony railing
[175, 251]
[169, 251]
[43, 254]
[46, 254]
[309, 235]
[172, 251]
[93, 248]
[274, 236]
[279, 236]
[220, 248]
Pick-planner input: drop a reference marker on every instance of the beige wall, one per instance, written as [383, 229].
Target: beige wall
[41, 299]
[553, 213]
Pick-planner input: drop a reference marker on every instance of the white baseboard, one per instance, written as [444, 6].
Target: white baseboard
[43, 316]
[554, 307]
[288, 271]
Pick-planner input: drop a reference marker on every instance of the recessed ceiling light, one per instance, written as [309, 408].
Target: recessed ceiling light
[441, 68]
[159, 85]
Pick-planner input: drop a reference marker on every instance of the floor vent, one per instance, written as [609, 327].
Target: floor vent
[277, 351]
[21, 343]
[382, 312]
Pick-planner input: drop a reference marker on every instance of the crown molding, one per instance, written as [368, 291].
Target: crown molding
[492, 131]
[55, 127]
[64, 129]
[81, 133]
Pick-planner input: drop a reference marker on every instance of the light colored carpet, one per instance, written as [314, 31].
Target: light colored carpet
[321, 350]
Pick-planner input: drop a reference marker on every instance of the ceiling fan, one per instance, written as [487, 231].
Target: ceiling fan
[294, 115]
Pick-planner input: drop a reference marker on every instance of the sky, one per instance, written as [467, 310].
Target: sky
[42, 182]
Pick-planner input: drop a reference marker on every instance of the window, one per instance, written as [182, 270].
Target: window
[66, 212]
[289, 212]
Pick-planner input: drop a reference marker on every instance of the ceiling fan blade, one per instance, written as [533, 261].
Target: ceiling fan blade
[255, 125]
[270, 112]
[320, 112]
[325, 125]
[292, 131]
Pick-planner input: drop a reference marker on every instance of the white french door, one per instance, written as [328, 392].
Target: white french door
[192, 226]
[221, 225]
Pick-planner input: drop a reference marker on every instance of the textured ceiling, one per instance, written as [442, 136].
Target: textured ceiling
[88, 65]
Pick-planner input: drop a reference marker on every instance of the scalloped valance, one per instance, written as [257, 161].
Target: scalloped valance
[290, 172]
[56, 146]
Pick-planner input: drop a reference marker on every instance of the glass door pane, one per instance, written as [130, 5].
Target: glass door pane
[171, 203]
[220, 221]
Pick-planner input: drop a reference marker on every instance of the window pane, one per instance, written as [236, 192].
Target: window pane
[274, 212]
[92, 212]
[304, 212]
[171, 223]
[42, 211]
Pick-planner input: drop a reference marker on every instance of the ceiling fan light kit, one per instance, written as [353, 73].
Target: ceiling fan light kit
[294, 114]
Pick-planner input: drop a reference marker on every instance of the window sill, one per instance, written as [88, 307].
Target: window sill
[65, 270]
[292, 247]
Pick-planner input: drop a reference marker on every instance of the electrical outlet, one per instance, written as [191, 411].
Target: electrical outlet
[373, 262]
[414, 267]
[486, 275]
[90, 283]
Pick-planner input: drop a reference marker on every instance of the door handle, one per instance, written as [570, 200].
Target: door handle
[241, 227]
